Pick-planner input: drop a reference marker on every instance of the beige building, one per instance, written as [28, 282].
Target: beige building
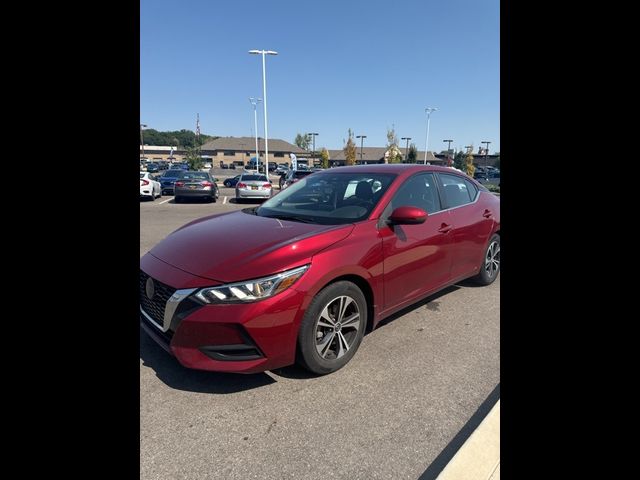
[375, 155]
[156, 153]
[240, 150]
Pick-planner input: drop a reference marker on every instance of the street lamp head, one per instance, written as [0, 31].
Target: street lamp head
[361, 136]
[430, 109]
[255, 52]
[142, 125]
[271, 52]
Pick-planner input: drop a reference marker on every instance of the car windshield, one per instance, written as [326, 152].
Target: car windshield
[194, 176]
[328, 198]
[260, 178]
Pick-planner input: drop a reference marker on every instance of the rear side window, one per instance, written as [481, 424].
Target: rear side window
[457, 190]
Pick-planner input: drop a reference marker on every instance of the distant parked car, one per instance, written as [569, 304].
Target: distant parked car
[251, 185]
[192, 184]
[149, 186]
[152, 167]
[168, 179]
[292, 177]
[231, 182]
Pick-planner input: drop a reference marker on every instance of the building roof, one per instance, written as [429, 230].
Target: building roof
[248, 144]
[373, 154]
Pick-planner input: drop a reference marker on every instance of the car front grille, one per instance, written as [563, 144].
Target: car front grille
[155, 306]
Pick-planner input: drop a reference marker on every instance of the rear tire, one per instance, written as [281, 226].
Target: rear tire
[177, 199]
[490, 267]
[332, 328]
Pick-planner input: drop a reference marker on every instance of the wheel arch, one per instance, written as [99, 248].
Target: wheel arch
[366, 290]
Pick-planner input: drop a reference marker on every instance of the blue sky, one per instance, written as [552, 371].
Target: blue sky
[365, 65]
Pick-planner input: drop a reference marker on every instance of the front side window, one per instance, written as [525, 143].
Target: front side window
[456, 191]
[322, 198]
[418, 191]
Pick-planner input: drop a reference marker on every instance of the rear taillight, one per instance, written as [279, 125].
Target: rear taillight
[207, 184]
[242, 185]
[179, 184]
[266, 185]
[145, 182]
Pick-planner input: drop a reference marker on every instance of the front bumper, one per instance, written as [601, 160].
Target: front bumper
[241, 338]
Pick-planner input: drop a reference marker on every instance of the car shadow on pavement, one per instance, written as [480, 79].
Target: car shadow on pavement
[429, 302]
[299, 373]
[174, 375]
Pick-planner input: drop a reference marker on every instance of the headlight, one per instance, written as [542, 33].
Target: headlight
[251, 290]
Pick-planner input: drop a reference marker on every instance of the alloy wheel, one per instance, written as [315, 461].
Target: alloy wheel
[492, 259]
[337, 327]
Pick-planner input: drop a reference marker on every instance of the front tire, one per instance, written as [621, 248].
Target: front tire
[490, 267]
[332, 328]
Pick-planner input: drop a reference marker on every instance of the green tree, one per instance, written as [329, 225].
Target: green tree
[193, 158]
[469, 168]
[184, 138]
[458, 161]
[302, 141]
[394, 154]
[412, 156]
[324, 157]
[350, 150]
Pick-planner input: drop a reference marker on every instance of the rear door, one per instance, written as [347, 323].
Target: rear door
[471, 223]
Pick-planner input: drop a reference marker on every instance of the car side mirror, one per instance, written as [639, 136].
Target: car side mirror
[407, 216]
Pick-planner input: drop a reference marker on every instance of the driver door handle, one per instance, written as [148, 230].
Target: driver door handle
[445, 228]
[487, 214]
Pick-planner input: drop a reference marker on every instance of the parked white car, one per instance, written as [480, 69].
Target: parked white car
[149, 186]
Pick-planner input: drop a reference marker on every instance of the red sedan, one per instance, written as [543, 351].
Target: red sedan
[303, 276]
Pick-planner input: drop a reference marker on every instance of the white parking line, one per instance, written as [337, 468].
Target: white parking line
[164, 201]
[225, 200]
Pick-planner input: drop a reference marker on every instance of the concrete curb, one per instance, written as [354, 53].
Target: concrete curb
[479, 457]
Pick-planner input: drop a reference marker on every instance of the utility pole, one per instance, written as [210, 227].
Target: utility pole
[486, 151]
[406, 150]
[448, 151]
[313, 154]
[361, 137]
[142, 125]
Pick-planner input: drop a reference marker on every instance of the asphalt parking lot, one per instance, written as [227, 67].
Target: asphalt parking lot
[413, 385]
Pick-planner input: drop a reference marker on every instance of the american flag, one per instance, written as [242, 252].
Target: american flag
[198, 126]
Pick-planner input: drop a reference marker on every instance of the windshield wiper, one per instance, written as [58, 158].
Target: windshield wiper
[290, 217]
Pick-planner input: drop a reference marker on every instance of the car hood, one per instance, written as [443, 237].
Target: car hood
[239, 246]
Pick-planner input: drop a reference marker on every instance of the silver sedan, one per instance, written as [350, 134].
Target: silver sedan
[251, 185]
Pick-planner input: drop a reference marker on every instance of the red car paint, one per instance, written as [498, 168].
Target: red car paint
[394, 266]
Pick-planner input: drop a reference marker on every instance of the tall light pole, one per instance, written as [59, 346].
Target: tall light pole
[361, 137]
[406, 150]
[314, 147]
[264, 102]
[448, 150]
[426, 143]
[486, 151]
[142, 125]
[254, 102]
